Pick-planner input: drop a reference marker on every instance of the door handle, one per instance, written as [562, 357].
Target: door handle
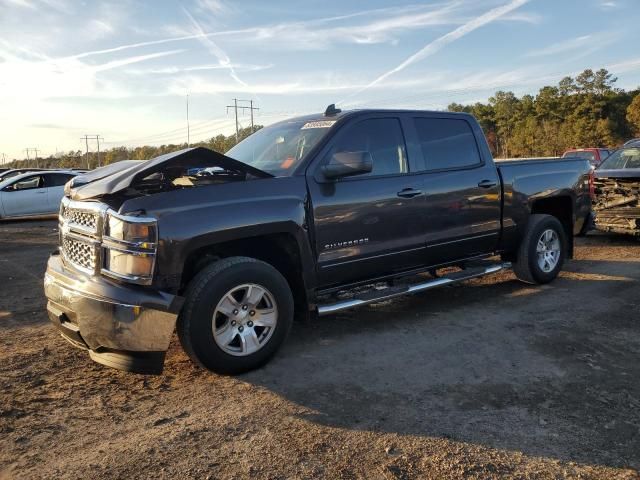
[409, 193]
[487, 184]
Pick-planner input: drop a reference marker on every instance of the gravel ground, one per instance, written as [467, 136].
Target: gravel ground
[490, 379]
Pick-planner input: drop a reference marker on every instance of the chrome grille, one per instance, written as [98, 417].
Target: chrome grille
[79, 253]
[81, 233]
[84, 219]
[84, 240]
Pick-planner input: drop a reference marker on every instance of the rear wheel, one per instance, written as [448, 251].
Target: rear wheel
[237, 313]
[542, 251]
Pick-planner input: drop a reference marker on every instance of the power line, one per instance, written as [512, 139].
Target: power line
[235, 107]
[171, 134]
[32, 149]
[97, 138]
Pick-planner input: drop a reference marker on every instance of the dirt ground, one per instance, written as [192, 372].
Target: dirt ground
[490, 379]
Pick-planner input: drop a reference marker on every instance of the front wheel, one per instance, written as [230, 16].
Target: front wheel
[237, 313]
[542, 250]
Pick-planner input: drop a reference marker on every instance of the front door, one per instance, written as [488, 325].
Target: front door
[368, 224]
[26, 196]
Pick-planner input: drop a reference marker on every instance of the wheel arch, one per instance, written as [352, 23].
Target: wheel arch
[560, 207]
[282, 250]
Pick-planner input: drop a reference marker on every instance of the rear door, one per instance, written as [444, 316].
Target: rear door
[54, 184]
[462, 189]
[26, 196]
[369, 224]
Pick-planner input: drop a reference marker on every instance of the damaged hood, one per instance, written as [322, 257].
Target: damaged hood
[101, 172]
[166, 167]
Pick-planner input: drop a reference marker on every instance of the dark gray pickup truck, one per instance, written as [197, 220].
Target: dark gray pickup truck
[295, 220]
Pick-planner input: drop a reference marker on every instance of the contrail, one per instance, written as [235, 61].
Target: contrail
[444, 40]
[130, 60]
[223, 58]
[242, 31]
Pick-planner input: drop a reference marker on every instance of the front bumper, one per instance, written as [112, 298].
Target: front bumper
[124, 327]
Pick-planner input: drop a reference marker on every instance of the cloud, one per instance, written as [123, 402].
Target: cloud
[212, 6]
[524, 17]
[34, 80]
[584, 45]
[631, 65]
[608, 4]
[196, 68]
[19, 3]
[561, 47]
[363, 27]
[440, 42]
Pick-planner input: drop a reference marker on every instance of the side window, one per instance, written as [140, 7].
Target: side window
[26, 184]
[56, 179]
[382, 138]
[447, 143]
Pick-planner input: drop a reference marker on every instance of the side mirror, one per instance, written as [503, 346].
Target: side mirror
[346, 164]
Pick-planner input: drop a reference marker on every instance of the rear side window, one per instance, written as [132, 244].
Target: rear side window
[447, 143]
[56, 179]
[382, 138]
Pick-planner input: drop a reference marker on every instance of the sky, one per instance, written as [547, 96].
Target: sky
[123, 68]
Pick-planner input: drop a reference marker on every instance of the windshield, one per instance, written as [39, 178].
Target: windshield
[280, 148]
[580, 154]
[623, 158]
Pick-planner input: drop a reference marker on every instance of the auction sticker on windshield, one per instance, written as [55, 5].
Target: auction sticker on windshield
[318, 124]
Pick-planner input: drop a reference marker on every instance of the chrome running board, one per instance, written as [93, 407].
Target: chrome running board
[392, 292]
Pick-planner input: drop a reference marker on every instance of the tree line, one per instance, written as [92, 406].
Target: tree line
[585, 111]
[80, 159]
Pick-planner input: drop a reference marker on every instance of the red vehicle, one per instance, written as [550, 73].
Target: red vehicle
[594, 155]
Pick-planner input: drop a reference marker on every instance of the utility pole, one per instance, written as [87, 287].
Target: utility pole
[97, 138]
[36, 159]
[98, 142]
[235, 107]
[28, 159]
[188, 131]
[251, 109]
[86, 141]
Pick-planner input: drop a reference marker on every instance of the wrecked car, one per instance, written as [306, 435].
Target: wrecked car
[298, 219]
[616, 206]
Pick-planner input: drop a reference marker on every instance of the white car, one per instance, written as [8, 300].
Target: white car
[33, 193]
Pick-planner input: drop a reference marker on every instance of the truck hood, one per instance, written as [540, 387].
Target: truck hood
[163, 173]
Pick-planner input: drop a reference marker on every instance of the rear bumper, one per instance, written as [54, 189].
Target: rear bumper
[124, 327]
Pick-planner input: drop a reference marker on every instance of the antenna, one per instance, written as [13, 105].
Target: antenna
[331, 110]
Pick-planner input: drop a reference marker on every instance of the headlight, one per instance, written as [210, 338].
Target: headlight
[129, 247]
[132, 230]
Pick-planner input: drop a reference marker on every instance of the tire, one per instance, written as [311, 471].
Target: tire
[213, 291]
[527, 266]
[587, 226]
